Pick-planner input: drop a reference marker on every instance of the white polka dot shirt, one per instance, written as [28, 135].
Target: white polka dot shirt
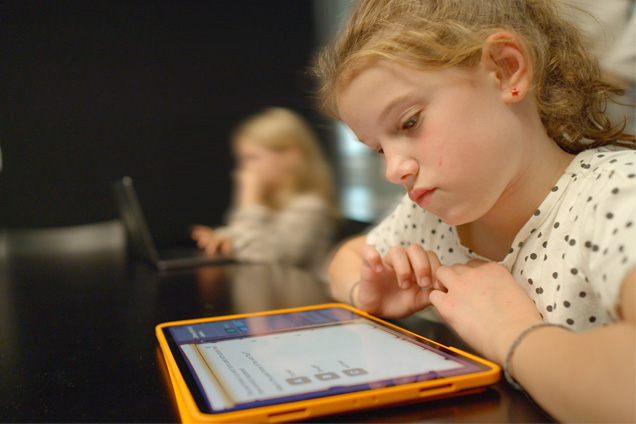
[571, 256]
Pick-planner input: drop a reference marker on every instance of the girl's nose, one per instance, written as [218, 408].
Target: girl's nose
[399, 169]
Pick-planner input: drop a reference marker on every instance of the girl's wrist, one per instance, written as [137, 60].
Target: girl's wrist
[513, 348]
[352, 292]
[506, 336]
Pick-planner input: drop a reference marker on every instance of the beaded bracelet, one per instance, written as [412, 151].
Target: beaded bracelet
[506, 369]
[351, 302]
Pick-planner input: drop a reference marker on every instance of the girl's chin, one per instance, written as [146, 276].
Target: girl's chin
[453, 218]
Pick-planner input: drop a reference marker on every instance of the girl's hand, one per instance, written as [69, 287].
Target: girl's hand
[485, 305]
[210, 241]
[398, 284]
[249, 187]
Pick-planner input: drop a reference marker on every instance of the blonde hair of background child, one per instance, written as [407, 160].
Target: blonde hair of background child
[279, 129]
[436, 34]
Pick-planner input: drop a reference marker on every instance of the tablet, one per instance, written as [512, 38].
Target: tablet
[306, 362]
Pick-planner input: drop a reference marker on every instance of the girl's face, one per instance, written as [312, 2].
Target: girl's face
[448, 136]
[270, 165]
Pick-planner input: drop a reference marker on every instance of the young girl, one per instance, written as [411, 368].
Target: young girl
[284, 209]
[520, 218]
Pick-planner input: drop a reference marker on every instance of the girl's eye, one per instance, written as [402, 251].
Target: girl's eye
[411, 122]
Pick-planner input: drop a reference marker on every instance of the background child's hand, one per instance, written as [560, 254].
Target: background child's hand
[249, 187]
[485, 305]
[210, 241]
[398, 284]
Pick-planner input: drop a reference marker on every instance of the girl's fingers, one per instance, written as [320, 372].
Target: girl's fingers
[226, 247]
[371, 258]
[202, 235]
[200, 229]
[213, 244]
[436, 298]
[210, 249]
[202, 240]
[476, 263]
[461, 268]
[420, 264]
[399, 261]
[434, 262]
[446, 275]
[422, 298]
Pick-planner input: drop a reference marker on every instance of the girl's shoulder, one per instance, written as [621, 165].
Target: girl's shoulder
[603, 173]
[598, 220]
[608, 160]
[602, 184]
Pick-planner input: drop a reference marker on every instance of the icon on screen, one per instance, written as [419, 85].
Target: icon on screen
[327, 376]
[353, 372]
[298, 380]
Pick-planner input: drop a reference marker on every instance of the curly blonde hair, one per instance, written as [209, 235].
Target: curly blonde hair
[567, 85]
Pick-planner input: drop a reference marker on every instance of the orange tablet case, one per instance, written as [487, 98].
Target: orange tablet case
[342, 403]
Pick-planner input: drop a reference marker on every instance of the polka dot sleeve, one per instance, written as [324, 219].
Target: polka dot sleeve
[611, 243]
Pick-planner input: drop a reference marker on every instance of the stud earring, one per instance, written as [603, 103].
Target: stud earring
[514, 92]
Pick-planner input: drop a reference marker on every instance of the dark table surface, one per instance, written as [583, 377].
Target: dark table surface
[77, 340]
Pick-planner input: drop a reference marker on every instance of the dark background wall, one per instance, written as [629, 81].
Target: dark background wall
[94, 90]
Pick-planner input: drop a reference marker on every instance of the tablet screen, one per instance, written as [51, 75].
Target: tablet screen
[270, 359]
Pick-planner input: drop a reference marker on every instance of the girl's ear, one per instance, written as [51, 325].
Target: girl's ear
[503, 54]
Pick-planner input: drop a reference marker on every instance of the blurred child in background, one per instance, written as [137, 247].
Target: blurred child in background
[284, 204]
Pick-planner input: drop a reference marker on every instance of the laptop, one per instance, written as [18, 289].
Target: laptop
[141, 241]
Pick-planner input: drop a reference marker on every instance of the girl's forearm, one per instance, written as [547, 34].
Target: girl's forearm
[580, 377]
[344, 269]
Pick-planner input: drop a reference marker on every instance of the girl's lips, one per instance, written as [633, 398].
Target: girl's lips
[422, 196]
